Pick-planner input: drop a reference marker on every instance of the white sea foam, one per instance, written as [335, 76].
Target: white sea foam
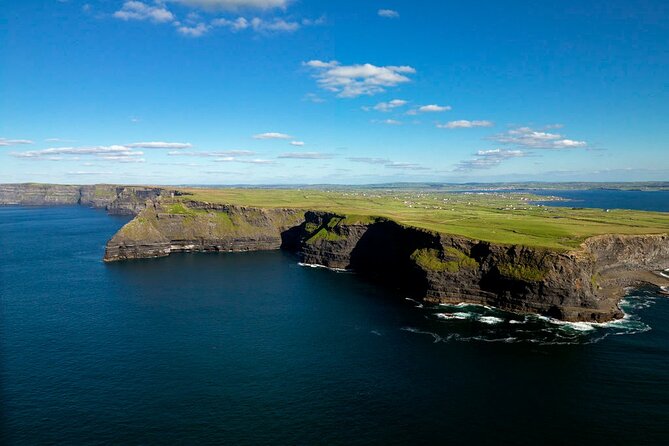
[458, 316]
[490, 320]
[507, 340]
[316, 265]
[537, 329]
[578, 326]
[435, 336]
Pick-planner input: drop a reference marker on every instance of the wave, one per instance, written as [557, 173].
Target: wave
[472, 323]
[316, 265]
[418, 304]
[435, 336]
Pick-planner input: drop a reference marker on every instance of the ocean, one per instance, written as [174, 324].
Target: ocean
[610, 199]
[252, 348]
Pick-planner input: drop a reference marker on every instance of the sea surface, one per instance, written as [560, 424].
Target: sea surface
[251, 348]
[609, 199]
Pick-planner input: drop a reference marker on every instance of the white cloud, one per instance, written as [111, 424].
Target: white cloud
[234, 4]
[388, 13]
[297, 143]
[159, 145]
[314, 22]
[277, 25]
[569, 143]
[387, 163]
[237, 24]
[537, 139]
[387, 121]
[312, 97]
[85, 173]
[114, 149]
[350, 81]
[406, 166]
[135, 10]
[256, 161]
[107, 153]
[368, 160]
[4, 142]
[126, 158]
[431, 108]
[225, 153]
[194, 26]
[232, 159]
[387, 106]
[257, 24]
[271, 135]
[193, 31]
[464, 124]
[306, 155]
[321, 64]
[125, 153]
[487, 159]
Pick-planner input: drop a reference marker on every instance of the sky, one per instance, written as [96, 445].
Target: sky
[333, 92]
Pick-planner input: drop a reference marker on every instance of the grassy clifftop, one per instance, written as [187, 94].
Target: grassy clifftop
[495, 217]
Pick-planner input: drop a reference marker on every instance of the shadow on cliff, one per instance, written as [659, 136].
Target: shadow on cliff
[383, 254]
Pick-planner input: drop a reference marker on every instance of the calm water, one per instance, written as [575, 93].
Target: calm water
[610, 199]
[254, 349]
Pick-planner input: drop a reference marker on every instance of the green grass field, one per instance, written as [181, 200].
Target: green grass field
[506, 218]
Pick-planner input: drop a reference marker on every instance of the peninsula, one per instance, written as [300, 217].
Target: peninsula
[488, 248]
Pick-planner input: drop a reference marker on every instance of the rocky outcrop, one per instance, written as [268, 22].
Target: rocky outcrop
[582, 285]
[117, 200]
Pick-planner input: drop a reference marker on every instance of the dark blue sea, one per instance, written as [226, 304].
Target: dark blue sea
[609, 199]
[252, 349]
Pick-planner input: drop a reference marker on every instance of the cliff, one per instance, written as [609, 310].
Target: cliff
[118, 200]
[580, 285]
[166, 227]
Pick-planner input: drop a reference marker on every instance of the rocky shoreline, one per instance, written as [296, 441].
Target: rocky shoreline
[584, 284]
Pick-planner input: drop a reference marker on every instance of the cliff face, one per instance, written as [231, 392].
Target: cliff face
[117, 200]
[583, 285]
[447, 269]
[166, 227]
[38, 194]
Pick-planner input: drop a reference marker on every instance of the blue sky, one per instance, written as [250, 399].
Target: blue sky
[346, 92]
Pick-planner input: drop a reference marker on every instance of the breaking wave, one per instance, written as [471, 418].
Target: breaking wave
[316, 265]
[479, 323]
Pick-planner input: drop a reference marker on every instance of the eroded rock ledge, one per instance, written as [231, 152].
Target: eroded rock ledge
[581, 285]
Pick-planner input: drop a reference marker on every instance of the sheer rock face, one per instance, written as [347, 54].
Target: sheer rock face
[582, 285]
[117, 200]
[166, 227]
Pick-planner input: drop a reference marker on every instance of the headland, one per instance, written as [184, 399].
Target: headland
[487, 248]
